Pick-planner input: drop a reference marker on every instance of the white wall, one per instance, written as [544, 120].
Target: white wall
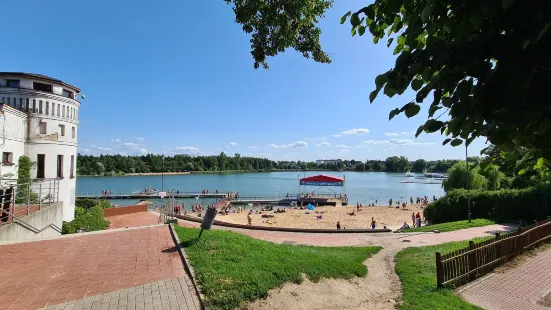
[23, 137]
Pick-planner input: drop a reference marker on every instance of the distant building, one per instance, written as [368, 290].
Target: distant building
[40, 120]
[320, 162]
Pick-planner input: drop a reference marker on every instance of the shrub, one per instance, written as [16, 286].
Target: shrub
[86, 203]
[90, 219]
[105, 204]
[532, 203]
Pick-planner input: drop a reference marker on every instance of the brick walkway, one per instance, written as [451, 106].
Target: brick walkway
[133, 220]
[521, 287]
[51, 272]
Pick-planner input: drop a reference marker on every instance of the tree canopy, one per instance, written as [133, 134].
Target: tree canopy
[486, 62]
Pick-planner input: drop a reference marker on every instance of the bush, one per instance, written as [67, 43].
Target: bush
[90, 219]
[85, 203]
[529, 204]
[105, 204]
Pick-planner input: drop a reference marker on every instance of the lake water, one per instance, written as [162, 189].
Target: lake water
[364, 187]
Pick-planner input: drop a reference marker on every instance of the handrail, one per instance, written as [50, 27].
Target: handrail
[29, 226]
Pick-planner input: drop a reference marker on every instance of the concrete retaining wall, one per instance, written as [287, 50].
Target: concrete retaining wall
[124, 210]
[39, 220]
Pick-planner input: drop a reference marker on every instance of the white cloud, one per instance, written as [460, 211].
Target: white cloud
[233, 143]
[344, 151]
[337, 135]
[375, 142]
[401, 141]
[389, 149]
[140, 139]
[341, 146]
[116, 140]
[257, 154]
[85, 151]
[143, 151]
[130, 145]
[184, 149]
[355, 131]
[324, 144]
[316, 139]
[105, 149]
[253, 147]
[407, 133]
[392, 134]
[290, 145]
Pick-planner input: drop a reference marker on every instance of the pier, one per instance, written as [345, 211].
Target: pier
[305, 199]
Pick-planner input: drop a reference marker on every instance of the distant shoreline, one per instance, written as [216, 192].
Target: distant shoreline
[229, 172]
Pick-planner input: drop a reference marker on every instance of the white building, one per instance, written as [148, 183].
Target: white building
[40, 120]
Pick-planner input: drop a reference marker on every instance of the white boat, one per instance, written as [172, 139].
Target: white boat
[409, 174]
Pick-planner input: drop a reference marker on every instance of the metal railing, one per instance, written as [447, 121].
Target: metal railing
[18, 200]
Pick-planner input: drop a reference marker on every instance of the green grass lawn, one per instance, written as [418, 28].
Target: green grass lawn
[234, 269]
[451, 226]
[417, 270]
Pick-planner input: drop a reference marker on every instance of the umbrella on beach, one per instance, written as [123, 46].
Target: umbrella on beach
[311, 207]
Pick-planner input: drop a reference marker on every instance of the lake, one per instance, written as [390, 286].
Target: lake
[363, 187]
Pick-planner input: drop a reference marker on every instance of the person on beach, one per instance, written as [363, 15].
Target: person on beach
[390, 203]
[338, 225]
[373, 223]
[413, 219]
[418, 216]
[249, 219]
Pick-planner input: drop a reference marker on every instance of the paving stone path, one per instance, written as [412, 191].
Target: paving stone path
[53, 272]
[526, 286]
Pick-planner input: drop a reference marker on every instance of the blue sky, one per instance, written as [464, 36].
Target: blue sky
[177, 77]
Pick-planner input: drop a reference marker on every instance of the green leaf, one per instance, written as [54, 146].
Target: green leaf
[446, 141]
[361, 30]
[433, 109]
[355, 20]
[393, 113]
[456, 142]
[433, 125]
[521, 171]
[427, 74]
[426, 13]
[380, 80]
[416, 84]
[345, 16]
[505, 4]
[389, 91]
[389, 42]
[354, 32]
[373, 95]
[419, 130]
[412, 109]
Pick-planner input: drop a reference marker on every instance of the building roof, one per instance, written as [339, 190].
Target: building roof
[322, 178]
[41, 77]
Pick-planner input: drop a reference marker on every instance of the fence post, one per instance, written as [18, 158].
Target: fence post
[50, 193]
[498, 247]
[471, 260]
[28, 198]
[439, 271]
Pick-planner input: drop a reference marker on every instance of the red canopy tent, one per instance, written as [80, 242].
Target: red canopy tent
[322, 180]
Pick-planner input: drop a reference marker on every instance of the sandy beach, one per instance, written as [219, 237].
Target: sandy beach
[391, 217]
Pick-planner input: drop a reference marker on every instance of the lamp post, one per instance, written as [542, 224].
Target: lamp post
[468, 186]
[163, 173]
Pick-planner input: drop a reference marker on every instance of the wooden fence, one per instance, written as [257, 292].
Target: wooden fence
[464, 265]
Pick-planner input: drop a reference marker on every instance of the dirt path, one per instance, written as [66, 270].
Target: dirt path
[378, 290]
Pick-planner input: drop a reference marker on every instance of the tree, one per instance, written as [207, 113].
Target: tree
[485, 62]
[23, 179]
[420, 165]
[360, 167]
[459, 178]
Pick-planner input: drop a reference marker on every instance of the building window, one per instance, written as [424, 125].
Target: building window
[9, 101]
[68, 94]
[74, 132]
[63, 111]
[13, 83]
[60, 166]
[71, 109]
[58, 107]
[42, 128]
[26, 104]
[20, 107]
[72, 166]
[40, 166]
[42, 87]
[34, 106]
[62, 130]
[14, 103]
[40, 106]
[7, 158]
[47, 108]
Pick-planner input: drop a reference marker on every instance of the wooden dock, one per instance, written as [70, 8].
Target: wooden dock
[115, 195]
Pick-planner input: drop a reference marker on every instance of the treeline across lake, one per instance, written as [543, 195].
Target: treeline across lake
[120, 165]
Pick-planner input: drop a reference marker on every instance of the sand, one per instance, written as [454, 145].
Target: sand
[391, 217]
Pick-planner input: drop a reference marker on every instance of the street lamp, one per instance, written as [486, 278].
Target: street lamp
[163, 173]
[468, 185]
